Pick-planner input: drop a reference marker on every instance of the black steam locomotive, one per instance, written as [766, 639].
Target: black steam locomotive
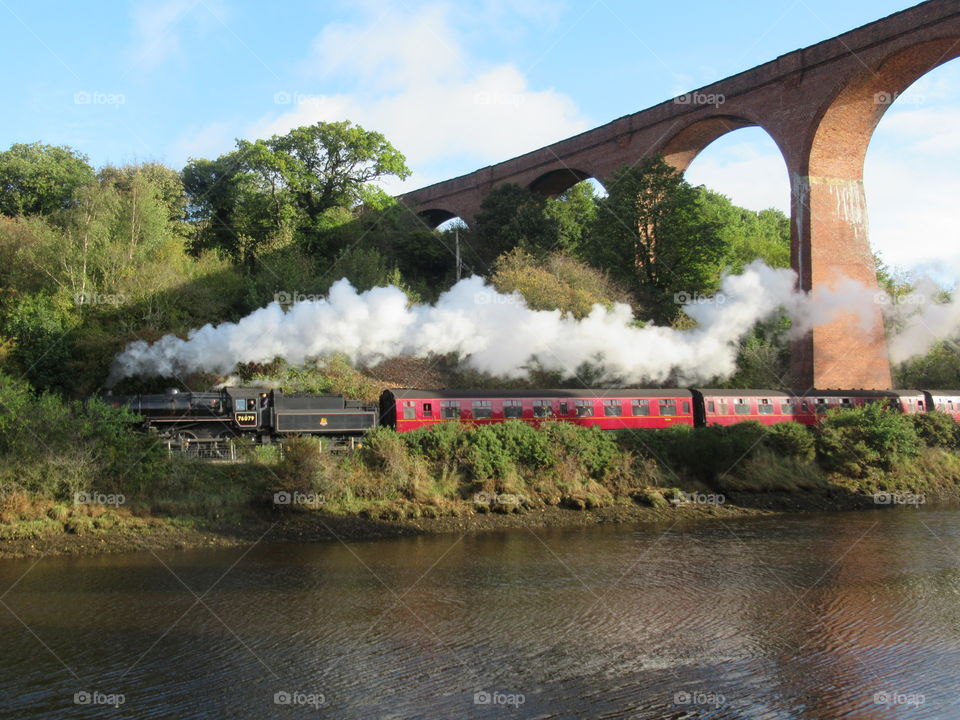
[247, 412]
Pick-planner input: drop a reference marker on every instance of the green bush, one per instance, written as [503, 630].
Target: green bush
[443, 442]
[489, 459]
[852, 441]
[54, 448]
[525, 444]
[703, 454]
[790, 439]
[596, 449]
[936, 429]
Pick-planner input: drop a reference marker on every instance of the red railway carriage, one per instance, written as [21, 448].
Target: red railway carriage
[729, 407]
[612, 409]
[945, 401]
[813, 404]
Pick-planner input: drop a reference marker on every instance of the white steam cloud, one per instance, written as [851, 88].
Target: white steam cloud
[921, 320]
[499, 334]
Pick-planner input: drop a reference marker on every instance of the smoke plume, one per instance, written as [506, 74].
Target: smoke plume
[499, 334]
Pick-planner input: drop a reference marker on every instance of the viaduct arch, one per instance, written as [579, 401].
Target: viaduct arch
[820, 105]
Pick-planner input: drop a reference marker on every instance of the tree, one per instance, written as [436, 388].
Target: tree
[748, 235]
[574, 211]
[37, 179]
[651, 233]
[512, 216]
[329, 164]
[286, 183]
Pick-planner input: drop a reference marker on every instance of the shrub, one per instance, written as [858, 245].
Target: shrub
[443, 443]
[300, 465]
[594, 448]
[936, 429]
[791, 439]
[873, 436]
[703, 453]
[524, 444]
[489, 459]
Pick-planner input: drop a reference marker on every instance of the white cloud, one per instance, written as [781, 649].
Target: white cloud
[155, 36]
[416, 83]
[751, 172]
[209, 141]
[158, 28]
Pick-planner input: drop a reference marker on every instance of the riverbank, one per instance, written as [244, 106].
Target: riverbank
[129, 533]
[452, 478]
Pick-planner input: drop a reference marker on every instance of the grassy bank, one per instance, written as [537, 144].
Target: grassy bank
[74, 476]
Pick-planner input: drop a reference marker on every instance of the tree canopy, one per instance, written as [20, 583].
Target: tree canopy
[38, 179]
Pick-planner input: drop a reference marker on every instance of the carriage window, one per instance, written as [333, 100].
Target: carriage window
[542, 408]
[788, 407]
[612, 408]
[845, 402]
[564, 410]
[482, 409]
[821, 405]
[766, 407]
[741, 407]
[450, 409]
[640, 408]
[805, 406]
[512, 409]
[686, 407]
[584, 408]
[711, 406]
[724, 408]
[427, 410]
[668, 407]
[409, 410]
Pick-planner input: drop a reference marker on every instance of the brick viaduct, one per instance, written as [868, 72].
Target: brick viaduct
[820, 105]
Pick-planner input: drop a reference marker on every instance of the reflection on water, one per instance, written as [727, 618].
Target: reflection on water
[821, 616]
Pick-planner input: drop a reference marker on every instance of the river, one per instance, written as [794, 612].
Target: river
[821, 616]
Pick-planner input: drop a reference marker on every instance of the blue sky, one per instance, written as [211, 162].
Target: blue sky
[456, 85]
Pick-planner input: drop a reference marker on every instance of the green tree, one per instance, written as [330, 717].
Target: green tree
[244, 199]
[574, 211]
[651, 233]
[512, 216]
[37, 179]
[748, 235]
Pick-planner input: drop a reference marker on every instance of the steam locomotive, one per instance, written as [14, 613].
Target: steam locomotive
[267, 415]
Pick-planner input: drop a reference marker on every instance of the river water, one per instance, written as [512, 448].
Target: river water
[834, 615]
